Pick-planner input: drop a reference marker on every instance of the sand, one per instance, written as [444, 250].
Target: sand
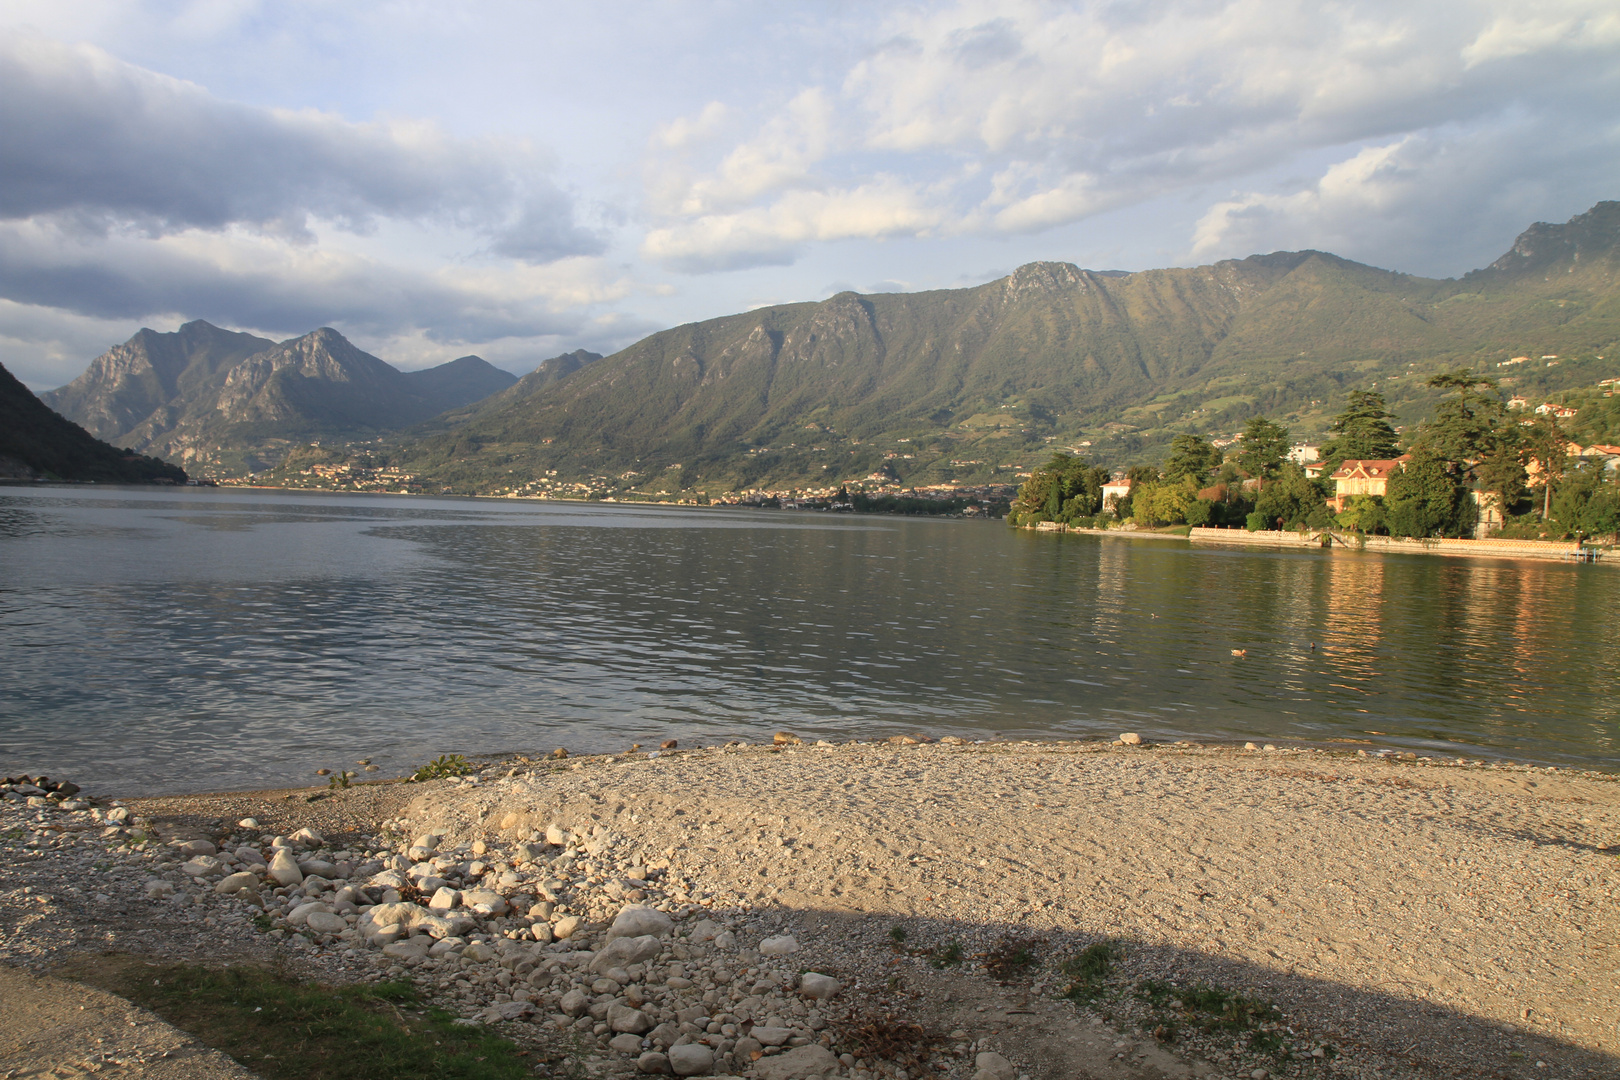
[1417, 917]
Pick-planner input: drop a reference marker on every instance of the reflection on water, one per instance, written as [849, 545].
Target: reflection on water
[209, 639]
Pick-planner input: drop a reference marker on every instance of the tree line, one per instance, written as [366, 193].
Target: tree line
[1472, 452]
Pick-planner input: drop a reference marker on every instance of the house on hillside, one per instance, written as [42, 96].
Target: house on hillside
[1308, 458]
[1561, 412]
[1363, 476]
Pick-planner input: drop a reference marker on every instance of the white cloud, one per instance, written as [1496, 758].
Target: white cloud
[1018, 116]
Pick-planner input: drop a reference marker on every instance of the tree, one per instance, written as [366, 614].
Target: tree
[1428, 497]
[1365, 513]
[1466, 423]
[1163, 502]
[1361, 431]
[1546, 444]
[1502, 470]
[1190, 456]
[1264, 446]
[1289, 499]
[1063, 489]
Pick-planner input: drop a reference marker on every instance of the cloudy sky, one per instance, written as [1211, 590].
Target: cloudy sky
[520, 179]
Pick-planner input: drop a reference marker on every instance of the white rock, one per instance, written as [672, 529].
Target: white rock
[1130, 738]
[803, 1063]
[248, 823]
[556, 835]
[997, 1066]
[770, 1036]
[573, 1003]
[778, 946]
[400, 914]
[325, 922]
[485, 902]
[445, 899]
[636, 920]
[308, 837]
[478, 953]
[405, 948]
[202, 866]
[196, 847]
[705, 930]
[694, 1059]
[236, 882]
[249, 855]
[564, 928]
[624, 1018]
[297, 915]
[284, 868]
[624, 952]
[725, 939]
[813, 984]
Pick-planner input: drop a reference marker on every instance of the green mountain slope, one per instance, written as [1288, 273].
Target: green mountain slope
[969, 384]
[37, 443]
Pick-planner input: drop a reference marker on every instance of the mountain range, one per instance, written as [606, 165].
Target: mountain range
[961, 384]
[213, 397]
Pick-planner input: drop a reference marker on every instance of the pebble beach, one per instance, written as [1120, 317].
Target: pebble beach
[909, 908]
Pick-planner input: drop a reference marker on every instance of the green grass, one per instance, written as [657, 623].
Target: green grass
[948, 956]
[1088, 972]
[284, 1029]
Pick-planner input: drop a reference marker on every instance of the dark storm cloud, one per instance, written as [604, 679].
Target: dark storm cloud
[101, 144]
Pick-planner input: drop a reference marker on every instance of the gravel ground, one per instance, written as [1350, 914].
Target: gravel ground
[1406, 917]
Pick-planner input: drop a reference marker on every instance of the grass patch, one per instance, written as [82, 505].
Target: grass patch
[949, 956]
[1088, 972]
[1013, 958]
[1213, 1010]
[284, 1029]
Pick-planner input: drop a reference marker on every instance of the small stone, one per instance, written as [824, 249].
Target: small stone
[478, 953]
[1259, 1074]
[813, 984]
[573, 1003]
[248, 823]
[771, 1036]
[778, 946]
[1250, 746]
[693, 1059]
[786, 738]
[323, 772]
[445, 899]
[405, 948]
[484, 902]
[564, 928]
[1131, 738]
[196, 847]
[559, 753]
[668, 744]
[1270, 747]
[625, 1043]
[556, 835]
[654, 1063]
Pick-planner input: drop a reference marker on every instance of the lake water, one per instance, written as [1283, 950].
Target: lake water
[162, 640]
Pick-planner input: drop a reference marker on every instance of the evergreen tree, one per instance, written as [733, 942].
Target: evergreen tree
[1191, 456]
[1545, 443]
[1361, 431]
[1465, 427]
[1428, 497]
[1264, 447]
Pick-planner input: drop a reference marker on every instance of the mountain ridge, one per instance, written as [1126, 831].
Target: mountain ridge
[38, 443]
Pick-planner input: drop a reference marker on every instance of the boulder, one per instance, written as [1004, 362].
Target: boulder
[993, 1064]
[231, 883]
[770, 1036]
[484, 902]
[653, 1063]
[624, 1018]
[622, 952]
[325, 922]
[804, 1063]
[564, 928]
[284, 868]
[637, 921]
[573, 1003]
[694, 1059]
[196, 847]
[626, 1043]
[444, 900]
[813, 984]
[778, 946]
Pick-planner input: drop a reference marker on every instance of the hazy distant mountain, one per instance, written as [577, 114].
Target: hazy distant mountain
[36, 442]
[206, 395]
[460, 382]
[948, 384]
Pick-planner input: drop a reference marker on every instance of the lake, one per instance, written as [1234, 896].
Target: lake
[177, 640]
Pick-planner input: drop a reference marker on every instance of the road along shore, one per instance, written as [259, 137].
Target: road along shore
[987, 910]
